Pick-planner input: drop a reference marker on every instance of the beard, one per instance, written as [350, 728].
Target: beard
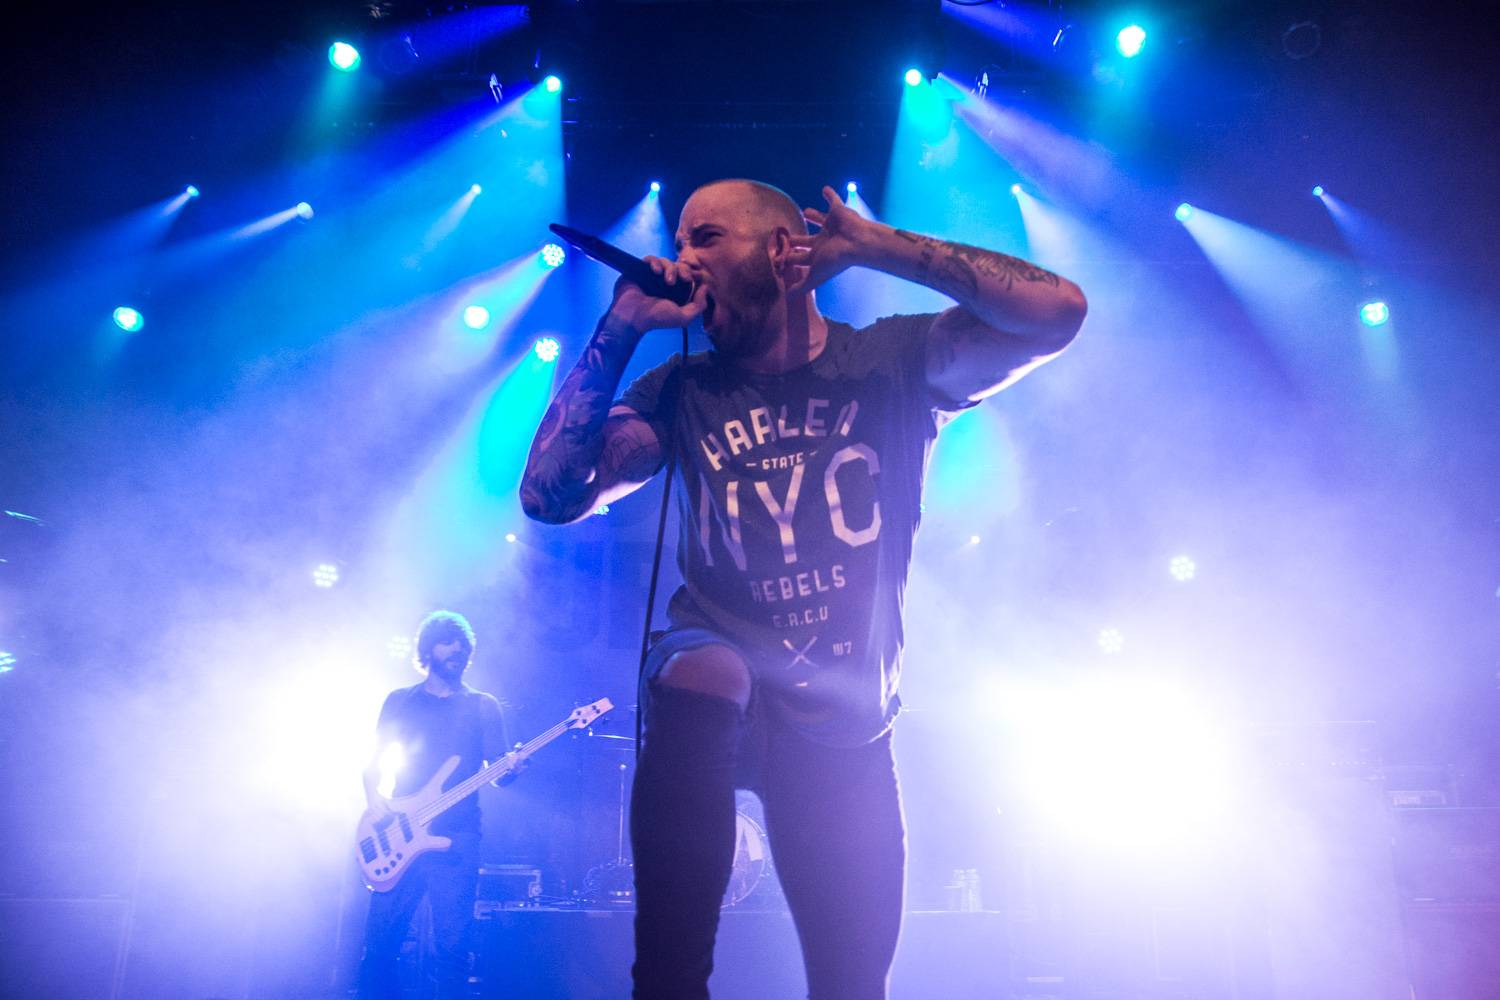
[451, 669]
[742, 314]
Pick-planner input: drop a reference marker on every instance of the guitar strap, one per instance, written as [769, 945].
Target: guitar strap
[661, 530]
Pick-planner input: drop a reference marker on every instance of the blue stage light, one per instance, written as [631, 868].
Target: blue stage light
[1130, 40]
[7, 661]
[1111, 640]
[476, 317]
[913, 77]
[553, 84]
[128, 319]
[852, 187]
[656, 187]
[304, 210]
[1375, 313]
[1318, 191]
[1015, 189]
[1184, 212]
[547, 349]
[325, 575]
[343, 56]
[1182, 568]
[553, 255]
[475, 189]
[191, 191]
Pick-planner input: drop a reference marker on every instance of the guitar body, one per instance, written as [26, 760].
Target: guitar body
[385, 847]
[388, 846]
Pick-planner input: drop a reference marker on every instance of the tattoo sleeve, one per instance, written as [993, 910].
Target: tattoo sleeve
[1020, 306]
[961, 271]
[560, 481]
[1011, 315]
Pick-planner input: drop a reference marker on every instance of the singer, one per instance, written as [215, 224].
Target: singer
[801, 445]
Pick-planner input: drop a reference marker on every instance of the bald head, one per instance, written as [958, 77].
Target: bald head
[765, 205]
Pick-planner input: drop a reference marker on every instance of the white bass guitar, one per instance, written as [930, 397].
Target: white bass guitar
[387, 845]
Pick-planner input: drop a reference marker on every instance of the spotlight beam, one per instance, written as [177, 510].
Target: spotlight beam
[267, 224]
[450, 219]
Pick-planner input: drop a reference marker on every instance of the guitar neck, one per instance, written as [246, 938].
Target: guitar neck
[492, 772]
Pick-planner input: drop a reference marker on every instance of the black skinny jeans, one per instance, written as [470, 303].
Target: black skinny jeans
[837, 836]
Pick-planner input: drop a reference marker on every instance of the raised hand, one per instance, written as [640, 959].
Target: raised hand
[842, 233]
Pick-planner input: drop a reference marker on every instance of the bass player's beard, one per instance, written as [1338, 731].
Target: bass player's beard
[451, 669]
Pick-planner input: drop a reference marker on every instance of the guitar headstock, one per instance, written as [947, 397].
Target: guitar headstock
[584, 715]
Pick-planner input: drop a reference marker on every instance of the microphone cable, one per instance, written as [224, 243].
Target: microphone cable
[661, 531]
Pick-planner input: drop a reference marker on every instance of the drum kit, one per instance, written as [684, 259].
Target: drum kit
[752, 881]
[752, 855]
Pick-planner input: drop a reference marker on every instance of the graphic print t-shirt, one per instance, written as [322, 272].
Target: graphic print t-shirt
[800, 495]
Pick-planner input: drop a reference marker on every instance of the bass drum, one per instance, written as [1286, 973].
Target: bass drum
[752, 859]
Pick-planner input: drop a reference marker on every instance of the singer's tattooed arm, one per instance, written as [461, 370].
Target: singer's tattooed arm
[1011, 316]
[586, 453]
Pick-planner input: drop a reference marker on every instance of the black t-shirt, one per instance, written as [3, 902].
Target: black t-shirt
[467, 725]
[800, 496]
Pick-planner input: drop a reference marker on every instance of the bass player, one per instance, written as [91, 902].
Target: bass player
[439, 718]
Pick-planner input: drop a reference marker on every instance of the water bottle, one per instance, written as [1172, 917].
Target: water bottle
[972, 902]
[956, 892]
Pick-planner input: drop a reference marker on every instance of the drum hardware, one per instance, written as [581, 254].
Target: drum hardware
[614, 881]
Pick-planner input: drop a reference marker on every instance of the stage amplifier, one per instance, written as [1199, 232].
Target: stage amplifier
[506, 887]
[1448, 855]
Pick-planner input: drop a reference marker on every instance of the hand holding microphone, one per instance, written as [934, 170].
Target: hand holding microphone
[652, 294]
[645, 310]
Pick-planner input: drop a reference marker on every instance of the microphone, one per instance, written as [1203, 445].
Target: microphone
[632, 267]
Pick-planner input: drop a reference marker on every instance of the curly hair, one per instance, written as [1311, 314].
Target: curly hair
[441, 626]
